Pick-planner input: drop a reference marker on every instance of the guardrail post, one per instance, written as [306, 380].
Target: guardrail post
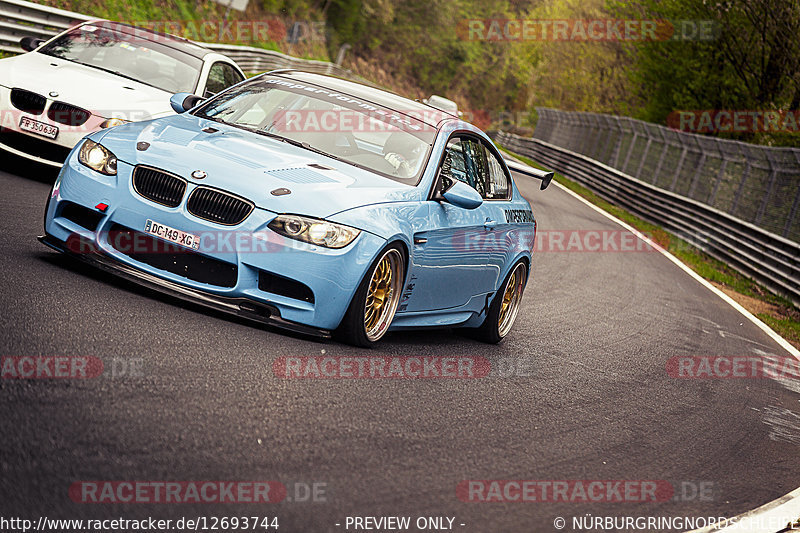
[630, 148]
[679, 166]
[592, 135]
[661, 157]
[644, 156]
[697, 174]
[604, 155]
[773, 174]
[787, 227]
[790, 220]
[584, 132]
[713, 196]
[736, 198]
[613, 158]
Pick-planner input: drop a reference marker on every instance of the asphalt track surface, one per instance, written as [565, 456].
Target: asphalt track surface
[594, 401]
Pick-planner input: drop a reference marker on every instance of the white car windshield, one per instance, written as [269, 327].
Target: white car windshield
[130, 53]
[391, 143]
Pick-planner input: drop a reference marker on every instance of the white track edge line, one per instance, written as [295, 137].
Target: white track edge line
[733, 303]
[782, 511]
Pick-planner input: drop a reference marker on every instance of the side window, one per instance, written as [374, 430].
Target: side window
[498, 180]
[477, 166]
[471, 161]
[459, 163]
[220, 77]
[454, 166]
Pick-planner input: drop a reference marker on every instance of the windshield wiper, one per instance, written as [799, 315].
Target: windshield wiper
[212, 119]
[295, 142]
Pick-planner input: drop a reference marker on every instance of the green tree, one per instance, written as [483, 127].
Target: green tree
[750, 62]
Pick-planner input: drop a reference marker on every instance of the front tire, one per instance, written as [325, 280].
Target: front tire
[373, 307]
[505, 307]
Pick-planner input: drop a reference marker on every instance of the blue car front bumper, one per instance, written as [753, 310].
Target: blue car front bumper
[246, 269]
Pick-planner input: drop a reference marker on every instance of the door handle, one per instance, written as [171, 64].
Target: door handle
[490, 224]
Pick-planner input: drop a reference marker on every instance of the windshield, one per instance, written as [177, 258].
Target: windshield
[388, 142]
[129, 53]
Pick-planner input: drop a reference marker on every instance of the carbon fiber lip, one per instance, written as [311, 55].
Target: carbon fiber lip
[241, 307]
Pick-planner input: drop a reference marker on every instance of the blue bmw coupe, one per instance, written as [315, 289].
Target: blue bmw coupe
[308, 202]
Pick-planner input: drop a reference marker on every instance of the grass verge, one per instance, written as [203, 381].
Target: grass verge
[777, 312]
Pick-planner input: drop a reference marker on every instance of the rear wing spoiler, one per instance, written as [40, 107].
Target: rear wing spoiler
[543, 175]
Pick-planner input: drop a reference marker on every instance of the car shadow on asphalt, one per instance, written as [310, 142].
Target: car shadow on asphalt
[430, 338]
[28, 169]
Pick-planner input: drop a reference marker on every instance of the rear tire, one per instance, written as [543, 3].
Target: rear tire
[504, 308]
[373, 306]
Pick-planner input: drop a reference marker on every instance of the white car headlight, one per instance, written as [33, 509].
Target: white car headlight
[314, 231]
[111, 122]
[98, 158]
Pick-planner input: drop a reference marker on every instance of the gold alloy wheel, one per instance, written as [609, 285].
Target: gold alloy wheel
[512, 295]
[383, 294]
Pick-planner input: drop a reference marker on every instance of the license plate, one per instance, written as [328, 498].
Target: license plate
[172, 235]
[39, 128]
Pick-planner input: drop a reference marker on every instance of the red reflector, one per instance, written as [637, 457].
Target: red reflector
[101, 207]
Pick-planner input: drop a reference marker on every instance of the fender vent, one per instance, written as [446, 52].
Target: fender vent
[269, 282]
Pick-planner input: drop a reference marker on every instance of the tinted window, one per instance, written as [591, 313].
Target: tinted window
[498, 180]
[455, 165]
[477, 166]
[470, 161]
[220, 77]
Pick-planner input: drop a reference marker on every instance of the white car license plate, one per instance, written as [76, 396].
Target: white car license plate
[172, 235]
[39, 128]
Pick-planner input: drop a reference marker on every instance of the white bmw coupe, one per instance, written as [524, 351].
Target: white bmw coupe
[97, 75]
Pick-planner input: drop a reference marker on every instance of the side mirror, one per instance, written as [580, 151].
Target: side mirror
[183, 102]
[462, 195]
[29, 44]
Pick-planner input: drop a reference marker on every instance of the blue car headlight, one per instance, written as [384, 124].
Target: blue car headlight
[314, 231]
[98, 158]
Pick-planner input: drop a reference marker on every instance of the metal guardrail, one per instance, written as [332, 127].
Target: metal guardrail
[756, 184]
[19, 18]
[770, 259]
[251, 59]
